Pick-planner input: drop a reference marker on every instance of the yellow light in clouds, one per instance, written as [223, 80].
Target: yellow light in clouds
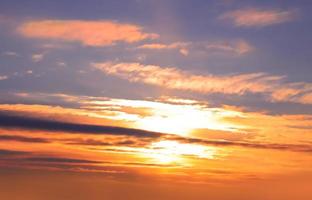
[182, 119]
[166, 151]
[176, 116]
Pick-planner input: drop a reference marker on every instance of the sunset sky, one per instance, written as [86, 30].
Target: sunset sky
[155, 99]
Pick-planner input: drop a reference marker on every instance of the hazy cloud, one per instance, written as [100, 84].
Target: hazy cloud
[258, 17]
[10, 53]
[3, 77]
[37, 57]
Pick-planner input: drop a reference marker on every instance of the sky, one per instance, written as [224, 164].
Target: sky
[155, 99]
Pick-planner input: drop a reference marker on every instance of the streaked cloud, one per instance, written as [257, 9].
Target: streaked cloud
[10, 53]
[19, 138]
[182, 47]
[174, 78]
[89, 33]
[22, 123]
[164, 46]
[58, 126]
[254, 17]
[238, 47]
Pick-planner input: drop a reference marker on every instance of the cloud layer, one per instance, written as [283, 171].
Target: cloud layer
[174, 78]
[90, 33]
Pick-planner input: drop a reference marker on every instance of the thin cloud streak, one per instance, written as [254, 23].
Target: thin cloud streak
[18, 138]
[11, 121]
[254, 17]
[236, 47]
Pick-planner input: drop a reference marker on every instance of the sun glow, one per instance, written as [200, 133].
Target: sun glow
[166, 151]
[168, 115]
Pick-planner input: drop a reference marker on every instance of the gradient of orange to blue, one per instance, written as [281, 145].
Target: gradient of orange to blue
[155, 99]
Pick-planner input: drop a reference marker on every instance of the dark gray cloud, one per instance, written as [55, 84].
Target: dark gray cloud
[61, 160]
[5, 152]
[22, 139]
[275, 146]
[139, 142]
[24, 122]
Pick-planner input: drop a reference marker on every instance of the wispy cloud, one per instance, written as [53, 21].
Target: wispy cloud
[10, 53]
[37, 57]
[90, 33]
[181, 46]
[237, 47]
[18, 138]
[253, 17]
[174, 78]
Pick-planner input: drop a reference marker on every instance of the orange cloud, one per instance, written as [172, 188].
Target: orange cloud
[163, 46]
[306, 99]
[256, 17]
[181, 46]
[174, 78]
[90, 33]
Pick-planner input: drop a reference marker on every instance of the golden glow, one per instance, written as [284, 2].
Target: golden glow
[166, 152]
[179, 116]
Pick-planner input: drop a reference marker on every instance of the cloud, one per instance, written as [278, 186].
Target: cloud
[89, 33]
[61, 160]
[306, 98]
[18, 138]
[117, 136]
[181, 46]
[174, 78]
[61, 64]
[258, 145]
[10, 53]
[164, 46]
[254, 17]
[3, 77]
[238, 47]
[5, 152]
[107, 142]
[37, 57]
[21, 122]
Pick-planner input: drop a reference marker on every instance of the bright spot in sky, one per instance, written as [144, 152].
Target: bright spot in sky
[167, 151]
[176, 116]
